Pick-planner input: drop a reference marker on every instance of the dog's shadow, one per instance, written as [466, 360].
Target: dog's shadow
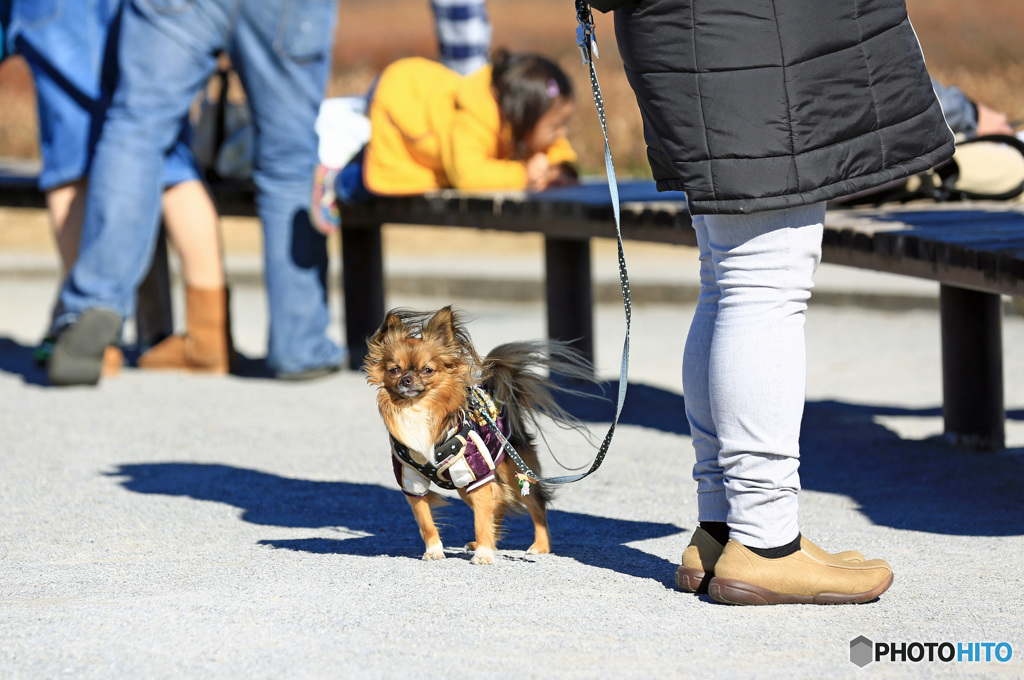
[371, 520]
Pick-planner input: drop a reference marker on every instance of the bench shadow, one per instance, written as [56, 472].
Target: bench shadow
[16, 359]
[372, 520]
[921, 485]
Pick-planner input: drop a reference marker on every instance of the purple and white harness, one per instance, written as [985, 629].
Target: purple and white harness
[466, 459]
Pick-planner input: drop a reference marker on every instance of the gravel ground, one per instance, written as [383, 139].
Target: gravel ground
[173, 526]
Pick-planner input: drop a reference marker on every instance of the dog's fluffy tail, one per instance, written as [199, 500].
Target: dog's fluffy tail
[513, 374]
[436, 500]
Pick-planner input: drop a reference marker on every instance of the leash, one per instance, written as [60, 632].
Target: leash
[587, 43]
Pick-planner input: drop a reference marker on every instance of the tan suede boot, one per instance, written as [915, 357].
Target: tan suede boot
[743, 577]
[700, 557]
[206, 346]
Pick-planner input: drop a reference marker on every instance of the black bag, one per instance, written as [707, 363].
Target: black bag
[222, 133]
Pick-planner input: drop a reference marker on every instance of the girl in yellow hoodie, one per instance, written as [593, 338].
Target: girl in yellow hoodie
[501, 127]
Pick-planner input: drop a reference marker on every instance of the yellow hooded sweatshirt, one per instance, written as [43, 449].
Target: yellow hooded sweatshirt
[431, 128]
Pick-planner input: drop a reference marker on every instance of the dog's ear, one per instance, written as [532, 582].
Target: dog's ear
[391, 330]
[393, 326]
[443, 327]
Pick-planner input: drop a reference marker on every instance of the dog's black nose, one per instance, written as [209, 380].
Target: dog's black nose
[407, 380]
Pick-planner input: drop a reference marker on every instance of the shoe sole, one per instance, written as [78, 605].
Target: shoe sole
[731, 591]
[693, 580]
[77, 357]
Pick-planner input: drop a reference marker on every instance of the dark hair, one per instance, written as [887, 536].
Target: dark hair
[526, 85]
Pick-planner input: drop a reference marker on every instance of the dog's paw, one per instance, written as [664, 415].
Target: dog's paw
[538, 549]
[434, 552]
[483, 556]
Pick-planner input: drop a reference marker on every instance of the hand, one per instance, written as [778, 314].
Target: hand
[991, 122]
[562, 175]
[537, 172]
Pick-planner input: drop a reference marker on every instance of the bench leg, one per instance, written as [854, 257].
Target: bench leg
[569, 295]
[362, 276]
[154, 318]
[972, 368]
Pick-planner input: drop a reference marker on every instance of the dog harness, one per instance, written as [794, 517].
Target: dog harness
[465, 459]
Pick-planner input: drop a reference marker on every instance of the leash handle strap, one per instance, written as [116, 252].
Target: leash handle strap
[588, 48]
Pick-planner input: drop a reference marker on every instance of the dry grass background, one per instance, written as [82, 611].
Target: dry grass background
[976, 44]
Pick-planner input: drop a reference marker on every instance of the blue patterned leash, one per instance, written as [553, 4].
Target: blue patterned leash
[587, 43]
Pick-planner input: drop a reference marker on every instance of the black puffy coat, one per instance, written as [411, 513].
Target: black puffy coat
[753, 105]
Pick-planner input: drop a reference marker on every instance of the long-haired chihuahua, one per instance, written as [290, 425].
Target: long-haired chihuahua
[450, 413]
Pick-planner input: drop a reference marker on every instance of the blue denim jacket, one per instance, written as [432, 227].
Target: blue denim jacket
[42, 26]
[5, 18]
[960, 112]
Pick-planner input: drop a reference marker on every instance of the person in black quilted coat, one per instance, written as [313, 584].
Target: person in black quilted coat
[762, 110]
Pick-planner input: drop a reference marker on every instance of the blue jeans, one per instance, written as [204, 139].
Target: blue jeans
[281, 49]
[71, 50]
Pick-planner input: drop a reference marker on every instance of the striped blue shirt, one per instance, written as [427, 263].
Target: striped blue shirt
[463, 33]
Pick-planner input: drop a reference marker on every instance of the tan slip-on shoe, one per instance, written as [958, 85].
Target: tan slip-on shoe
[743, 577]
[699, 560]
[701, 555]
[822, 554]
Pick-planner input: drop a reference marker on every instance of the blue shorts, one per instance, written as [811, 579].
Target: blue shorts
[71, 49]
[349, 186]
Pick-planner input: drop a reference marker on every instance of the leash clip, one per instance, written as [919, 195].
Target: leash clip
[587, 47]
[586, 37]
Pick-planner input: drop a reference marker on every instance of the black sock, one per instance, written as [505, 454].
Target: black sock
[776, 553]
[717, 530]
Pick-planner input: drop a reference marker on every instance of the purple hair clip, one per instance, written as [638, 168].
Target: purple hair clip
[553, 90]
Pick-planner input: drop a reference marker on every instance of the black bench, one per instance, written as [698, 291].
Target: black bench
[18, 183]
[975, 251]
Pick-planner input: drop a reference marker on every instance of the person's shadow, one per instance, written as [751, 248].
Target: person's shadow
[16, 359]
[371, 519]
[921, 485]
